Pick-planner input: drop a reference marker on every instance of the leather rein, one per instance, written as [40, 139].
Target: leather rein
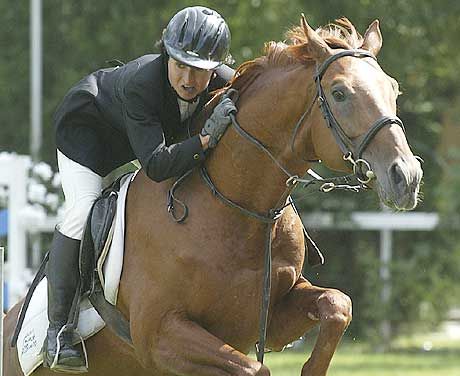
[350, 153]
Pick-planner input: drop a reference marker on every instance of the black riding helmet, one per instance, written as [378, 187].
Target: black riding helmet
[199, 37]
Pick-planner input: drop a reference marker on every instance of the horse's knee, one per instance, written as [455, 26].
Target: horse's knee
[263, 371]
[335, 306]
[256, 369]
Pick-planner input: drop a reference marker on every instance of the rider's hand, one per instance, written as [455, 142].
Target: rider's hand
[218, 122]
[204, 141]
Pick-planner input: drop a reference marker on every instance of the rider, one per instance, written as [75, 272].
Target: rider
[116, 115]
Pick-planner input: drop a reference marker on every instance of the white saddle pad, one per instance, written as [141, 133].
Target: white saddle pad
[35, 324]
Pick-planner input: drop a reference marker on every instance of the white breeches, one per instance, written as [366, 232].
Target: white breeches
[81, 188]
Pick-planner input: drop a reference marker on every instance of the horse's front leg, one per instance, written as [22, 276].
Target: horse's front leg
[183, 347]
[304, 307]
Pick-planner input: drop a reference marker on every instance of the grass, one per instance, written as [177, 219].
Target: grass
[406, 359]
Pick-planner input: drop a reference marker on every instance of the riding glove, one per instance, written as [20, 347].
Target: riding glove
[219, 120]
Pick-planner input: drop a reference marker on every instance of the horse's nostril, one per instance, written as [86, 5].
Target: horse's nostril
[396, 174]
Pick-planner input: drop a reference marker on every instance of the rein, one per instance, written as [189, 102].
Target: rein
[350, 154]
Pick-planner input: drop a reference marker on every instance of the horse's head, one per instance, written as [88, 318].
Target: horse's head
[354, 127]
[358, 112]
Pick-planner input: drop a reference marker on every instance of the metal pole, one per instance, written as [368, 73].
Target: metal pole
[2, 261]
[36, 62]
[36, 78]
[386, 243]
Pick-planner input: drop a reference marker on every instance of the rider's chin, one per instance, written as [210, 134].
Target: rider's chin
[188, 95]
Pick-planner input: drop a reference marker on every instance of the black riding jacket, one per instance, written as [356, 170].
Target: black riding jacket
[116, 115]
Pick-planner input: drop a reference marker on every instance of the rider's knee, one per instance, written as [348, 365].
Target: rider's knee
[75, 217]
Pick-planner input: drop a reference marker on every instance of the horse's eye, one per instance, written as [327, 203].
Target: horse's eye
[338, 95]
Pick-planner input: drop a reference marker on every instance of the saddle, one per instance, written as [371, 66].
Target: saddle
[93, 250]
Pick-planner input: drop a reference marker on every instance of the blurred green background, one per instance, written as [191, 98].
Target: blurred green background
[420, 50]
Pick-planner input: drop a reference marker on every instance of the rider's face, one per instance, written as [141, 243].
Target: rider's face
[187, 81]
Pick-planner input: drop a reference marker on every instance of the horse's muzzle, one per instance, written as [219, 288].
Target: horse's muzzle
[404, 177]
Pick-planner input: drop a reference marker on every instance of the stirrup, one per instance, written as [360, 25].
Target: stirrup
[68, 369]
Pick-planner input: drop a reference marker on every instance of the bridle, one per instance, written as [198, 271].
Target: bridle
[351, 154]
[361, 168]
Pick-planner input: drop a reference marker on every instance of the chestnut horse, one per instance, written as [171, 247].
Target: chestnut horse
[192, 292]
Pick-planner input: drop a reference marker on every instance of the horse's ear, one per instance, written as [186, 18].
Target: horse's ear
[316, 46]
[373, 38]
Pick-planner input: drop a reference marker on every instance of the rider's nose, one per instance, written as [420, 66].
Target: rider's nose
[188, 76]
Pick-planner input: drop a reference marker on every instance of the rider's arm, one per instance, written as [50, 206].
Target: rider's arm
[146, 136]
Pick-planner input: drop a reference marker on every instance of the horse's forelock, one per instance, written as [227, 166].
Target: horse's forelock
[339, 34]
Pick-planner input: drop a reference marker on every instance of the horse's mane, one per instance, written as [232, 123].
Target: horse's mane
[339, 34]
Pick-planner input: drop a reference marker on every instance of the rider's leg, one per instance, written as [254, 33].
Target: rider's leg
[81, 187]
[62, 276]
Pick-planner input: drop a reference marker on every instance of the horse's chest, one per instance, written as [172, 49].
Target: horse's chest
[245, 284]
[231, 309]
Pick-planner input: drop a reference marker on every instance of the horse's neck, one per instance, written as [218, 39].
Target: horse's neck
[240, 170]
